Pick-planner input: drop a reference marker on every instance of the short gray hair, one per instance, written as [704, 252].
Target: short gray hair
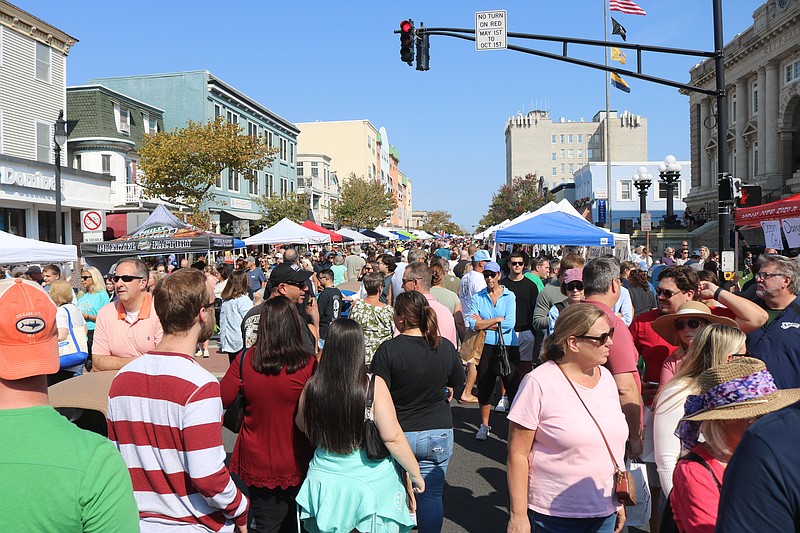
[786, 266]
[598, 275]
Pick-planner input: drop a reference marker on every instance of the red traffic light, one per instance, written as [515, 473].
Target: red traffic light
[406, 26]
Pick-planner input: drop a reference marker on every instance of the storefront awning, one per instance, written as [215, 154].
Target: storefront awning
[243, 215]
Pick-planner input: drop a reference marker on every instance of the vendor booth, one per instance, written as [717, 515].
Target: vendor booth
[288, 232]
[16, 249]
[776, 219]
[335, 237]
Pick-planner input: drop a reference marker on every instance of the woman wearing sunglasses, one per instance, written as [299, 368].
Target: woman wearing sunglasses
[91, 298]
[572, 288]
[560, 474]
[712, 344]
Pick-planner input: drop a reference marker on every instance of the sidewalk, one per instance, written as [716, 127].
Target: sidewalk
[216, 363]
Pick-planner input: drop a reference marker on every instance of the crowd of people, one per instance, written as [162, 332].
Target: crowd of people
[652, 361]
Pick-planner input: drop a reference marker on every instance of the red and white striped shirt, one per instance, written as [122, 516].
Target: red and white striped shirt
[164, 416]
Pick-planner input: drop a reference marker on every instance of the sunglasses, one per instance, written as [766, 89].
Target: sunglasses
[408, 280]
[600, 339]
[516, 263]
[692, 323]
[126, 279]
[666, 293]
[84, 278]
[490, 274]
[207, 306]
[298, 284]
[575, 286]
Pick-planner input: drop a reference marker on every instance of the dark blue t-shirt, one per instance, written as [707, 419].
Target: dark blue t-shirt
[256, 278]
[778, 345]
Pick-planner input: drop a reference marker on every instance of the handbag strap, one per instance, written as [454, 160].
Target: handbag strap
[610, 453]
[370, 398]
[72, 329]
[241, 366]
[693, 457]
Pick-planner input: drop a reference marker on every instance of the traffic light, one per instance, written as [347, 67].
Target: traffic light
[751, 196]
[423, 52]
[407, 41]
[737, 187]
[725, 183]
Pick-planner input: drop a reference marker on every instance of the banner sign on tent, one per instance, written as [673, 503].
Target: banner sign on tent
[772, 234]
[601, 211]
[791, 228]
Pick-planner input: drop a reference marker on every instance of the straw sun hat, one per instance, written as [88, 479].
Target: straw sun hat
[739, 390]
[665, 324]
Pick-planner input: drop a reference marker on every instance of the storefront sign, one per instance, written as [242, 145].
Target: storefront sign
[238, 203]
[9, 176]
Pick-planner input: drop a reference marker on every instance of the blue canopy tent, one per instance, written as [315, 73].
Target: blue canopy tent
[401, 236]
[555, 228]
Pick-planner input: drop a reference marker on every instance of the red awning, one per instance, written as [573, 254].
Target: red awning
[335, 237]
[745, 217]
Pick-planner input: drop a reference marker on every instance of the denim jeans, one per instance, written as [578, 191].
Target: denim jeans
[542, 523]
[432, 449]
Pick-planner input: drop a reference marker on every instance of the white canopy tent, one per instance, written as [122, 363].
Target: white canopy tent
[422, 234]
[386, 233]
[16, 249]
[288, 232]
[357, 237]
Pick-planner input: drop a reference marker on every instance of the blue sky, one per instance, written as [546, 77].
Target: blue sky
[312, 60]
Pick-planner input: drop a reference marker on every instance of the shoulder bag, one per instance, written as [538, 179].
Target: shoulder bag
[373, 444]
[234, 414]
[472, 347]
[624, 485]
[70, 351]
[501, 365]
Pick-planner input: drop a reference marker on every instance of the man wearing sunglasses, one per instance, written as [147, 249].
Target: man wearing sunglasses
[526, 293]
[128, 327]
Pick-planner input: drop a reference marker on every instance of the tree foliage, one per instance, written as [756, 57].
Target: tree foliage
[363, 203]
[182, 165]
[439, 222]
[273, 209]
[524, 194]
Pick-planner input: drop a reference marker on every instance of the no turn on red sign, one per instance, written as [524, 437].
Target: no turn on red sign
[93, 220]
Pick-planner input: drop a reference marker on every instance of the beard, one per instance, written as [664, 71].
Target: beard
[206, 330]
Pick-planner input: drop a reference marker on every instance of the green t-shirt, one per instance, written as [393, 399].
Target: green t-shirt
[55, 477]
[535, 279]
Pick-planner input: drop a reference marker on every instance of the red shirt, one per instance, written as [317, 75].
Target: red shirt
[271, 451]
[622, 356]
[695, 496]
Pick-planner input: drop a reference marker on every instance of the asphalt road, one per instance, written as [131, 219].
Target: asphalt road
[475, 494]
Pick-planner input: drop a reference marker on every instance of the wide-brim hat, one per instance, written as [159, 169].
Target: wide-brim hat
[665, 324]
[739, 390]
[87, 391]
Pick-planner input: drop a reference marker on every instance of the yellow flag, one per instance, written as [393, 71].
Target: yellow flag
[617, 55]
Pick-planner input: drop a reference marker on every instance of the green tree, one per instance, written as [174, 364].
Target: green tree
[523, 195]
[182, 165]
[363, 203]
[273, 209]
[439, 221]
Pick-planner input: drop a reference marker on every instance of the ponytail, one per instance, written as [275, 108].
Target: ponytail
[415, 312]
[429, 327]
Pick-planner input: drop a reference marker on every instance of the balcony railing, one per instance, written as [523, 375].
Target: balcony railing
[135, 193]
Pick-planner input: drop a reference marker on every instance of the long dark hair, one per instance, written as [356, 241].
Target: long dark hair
[413, 310]
[337, 393]
[279, 344]
[236, 286]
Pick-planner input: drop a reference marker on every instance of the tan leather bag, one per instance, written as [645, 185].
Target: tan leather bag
[472, 347]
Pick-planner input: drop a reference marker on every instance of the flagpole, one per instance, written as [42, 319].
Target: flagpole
[608, 121]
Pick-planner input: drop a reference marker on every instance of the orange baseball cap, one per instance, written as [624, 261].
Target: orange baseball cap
[28, 338]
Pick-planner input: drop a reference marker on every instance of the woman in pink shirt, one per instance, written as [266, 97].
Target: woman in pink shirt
[560, 473]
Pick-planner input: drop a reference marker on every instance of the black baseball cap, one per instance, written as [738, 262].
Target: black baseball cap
[287, 272]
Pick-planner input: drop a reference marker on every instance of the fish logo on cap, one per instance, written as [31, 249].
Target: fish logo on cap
[30, 325]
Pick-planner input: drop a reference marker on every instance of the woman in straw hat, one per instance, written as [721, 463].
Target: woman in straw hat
[732, 397]
[712, 346]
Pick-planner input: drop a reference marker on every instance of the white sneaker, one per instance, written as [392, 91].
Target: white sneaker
[205, 354]
[502, 405]
[199, 353]
[483, 432]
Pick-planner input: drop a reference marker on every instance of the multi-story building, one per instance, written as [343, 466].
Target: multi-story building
[357, 148]
[107, 129]
[314, 178]
[33, 62]
[200, 96]
[535, 144]
[591, 188]
[762, 73]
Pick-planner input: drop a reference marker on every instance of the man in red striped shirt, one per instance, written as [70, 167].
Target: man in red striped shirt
[164, 416]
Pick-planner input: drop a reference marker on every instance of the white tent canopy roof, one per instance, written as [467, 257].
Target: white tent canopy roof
[288, 232]
[357, 237]
[16, 249]
[422, 234]
[386, 233]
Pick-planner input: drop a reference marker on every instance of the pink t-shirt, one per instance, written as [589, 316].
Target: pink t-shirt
[570, 473]
[670, 367]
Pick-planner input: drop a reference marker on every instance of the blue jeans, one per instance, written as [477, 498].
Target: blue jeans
[433, 449]
[542, 523]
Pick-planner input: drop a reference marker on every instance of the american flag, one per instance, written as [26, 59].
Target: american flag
[626, 6]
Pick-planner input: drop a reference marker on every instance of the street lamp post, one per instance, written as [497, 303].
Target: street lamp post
[642, 181]
[670, 173]
[59, 139]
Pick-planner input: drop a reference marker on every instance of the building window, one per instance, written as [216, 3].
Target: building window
[153, 125]
[232, 117]
[562, 138]
[554, 156]
[217, 110]
[252, 129]
[563, 167]
[754, 98]
[218, 183]
[571, 167]
[555, 171]
[754, 159]
[43, 66]
[625, 190]
[570, 153]
[284, 186]
[283, 149]
[553, 139]
[76, 162]
[300, 167]
[268, 137]
[733, 107]
[596, 139]
[270, 184]
[314, 169]
[252, 183]
[662, 191]
[43, 137]
[580, 153]
[793, 71]
[563, 153]
[233, 181]
[580, 137]
[124, 121]
[570, 137]
[105, 164]
[589, 153]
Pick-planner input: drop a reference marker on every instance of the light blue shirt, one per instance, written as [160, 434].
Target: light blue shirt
[624, 306]
[506, 307]
[231, 315]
